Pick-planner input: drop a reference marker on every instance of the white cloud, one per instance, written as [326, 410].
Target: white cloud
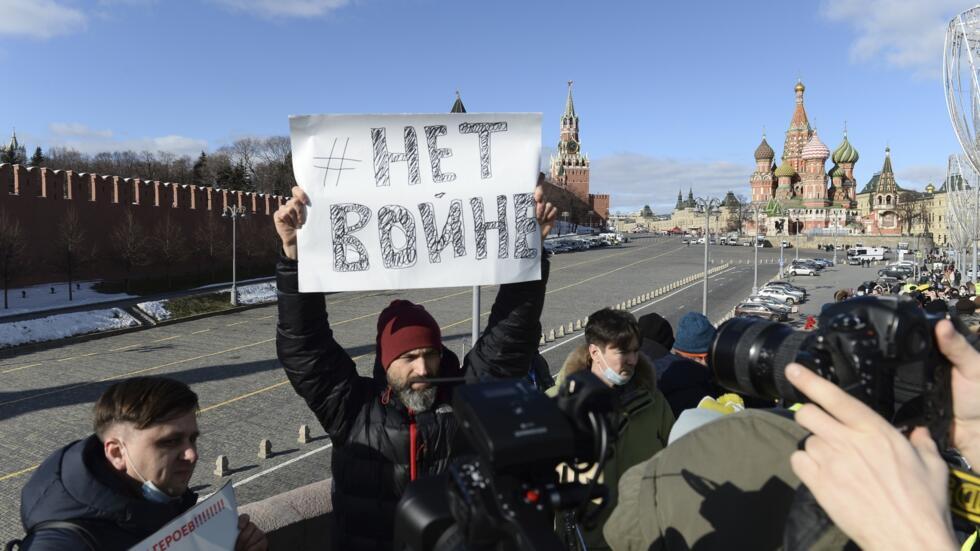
[905, 34]
[102, 140]
[285, 8]
[916, 177]
[38, 18]
[75, 129]
[634, 180]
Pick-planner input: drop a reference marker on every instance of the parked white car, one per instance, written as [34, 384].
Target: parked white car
[803, 270]
[773, 303]
[780, 295]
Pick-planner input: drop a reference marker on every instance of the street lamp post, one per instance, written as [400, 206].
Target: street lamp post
[564, 216]
[755, 209]
[234, 212]
[796, 228]
[707, 205]
[836, 228]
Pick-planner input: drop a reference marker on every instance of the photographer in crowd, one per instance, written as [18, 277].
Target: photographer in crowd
[886, 491]
[392, 428]
[611, 352]
[129, 479]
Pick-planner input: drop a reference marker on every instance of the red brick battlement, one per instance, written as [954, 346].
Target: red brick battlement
[39, 199]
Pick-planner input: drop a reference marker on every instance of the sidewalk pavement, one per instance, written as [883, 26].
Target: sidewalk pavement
[821, 288]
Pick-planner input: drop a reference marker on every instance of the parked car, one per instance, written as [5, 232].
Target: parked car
[786, 245]
[800, 269]
[826, 263]
[773, 303]
[787, 286]
[893, 274]
[799, 295]
[758, 310]
[781, 295]
[808, 262]
[853, 261]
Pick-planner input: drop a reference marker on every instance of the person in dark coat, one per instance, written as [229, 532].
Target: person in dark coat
[129, 479]
[392, 428]
[683, 375]
[657, 334]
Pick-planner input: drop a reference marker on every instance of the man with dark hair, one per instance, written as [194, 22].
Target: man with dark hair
[392, 428]
[611, 352]
[127, 480]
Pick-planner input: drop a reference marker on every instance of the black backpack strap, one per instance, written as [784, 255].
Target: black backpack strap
[76, 529]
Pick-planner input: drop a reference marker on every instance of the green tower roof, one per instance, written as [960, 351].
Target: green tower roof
[785, 169]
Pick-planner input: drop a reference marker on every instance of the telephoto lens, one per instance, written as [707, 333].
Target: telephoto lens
[749, 356]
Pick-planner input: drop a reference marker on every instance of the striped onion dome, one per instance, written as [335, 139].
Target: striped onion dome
[815, 149]
[845, 152]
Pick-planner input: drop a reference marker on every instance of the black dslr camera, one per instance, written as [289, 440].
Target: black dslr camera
[506, 495]
[879, 349]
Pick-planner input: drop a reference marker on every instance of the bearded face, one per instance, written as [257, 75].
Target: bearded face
[418, 363]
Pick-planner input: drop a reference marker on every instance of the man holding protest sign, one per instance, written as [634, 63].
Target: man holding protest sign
[128, 480]
[392, 428]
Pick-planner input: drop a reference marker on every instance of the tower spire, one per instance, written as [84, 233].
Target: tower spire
[458, 105]
[569, 104]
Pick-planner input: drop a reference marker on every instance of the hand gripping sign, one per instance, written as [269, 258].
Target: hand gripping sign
[210, 525]
[413, 201]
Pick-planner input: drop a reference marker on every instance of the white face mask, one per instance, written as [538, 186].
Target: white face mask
[149, 490]
[617, 379]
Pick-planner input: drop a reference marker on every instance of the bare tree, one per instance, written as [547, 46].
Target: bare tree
[169, 245]
[908, 210]
[12, 251]
[209, 243]
[70, 254]
[130, 244]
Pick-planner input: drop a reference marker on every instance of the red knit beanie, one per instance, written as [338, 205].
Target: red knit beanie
[404, 326]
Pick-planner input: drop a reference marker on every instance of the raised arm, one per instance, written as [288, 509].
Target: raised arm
[319, 369]
[511, 337]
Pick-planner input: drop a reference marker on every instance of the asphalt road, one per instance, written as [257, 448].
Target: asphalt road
[229, 360]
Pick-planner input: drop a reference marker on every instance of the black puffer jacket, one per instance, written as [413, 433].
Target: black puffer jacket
[76, 483]
[368, 425]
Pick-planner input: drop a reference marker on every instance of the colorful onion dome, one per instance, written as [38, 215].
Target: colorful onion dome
[785, 169]
[845, 152]
[764, 151]
[815, 149]
[837, 172]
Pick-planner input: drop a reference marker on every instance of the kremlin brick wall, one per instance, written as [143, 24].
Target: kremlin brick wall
[40, 200]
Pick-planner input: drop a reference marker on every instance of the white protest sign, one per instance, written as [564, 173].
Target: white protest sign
[210, 525]
[413, 201]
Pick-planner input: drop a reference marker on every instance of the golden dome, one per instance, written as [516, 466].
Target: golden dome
[799, 86]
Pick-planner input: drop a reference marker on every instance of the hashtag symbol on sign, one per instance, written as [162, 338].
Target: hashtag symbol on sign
[330, 159]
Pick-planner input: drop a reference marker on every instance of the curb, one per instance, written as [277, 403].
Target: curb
[77, 339]
[567, 329]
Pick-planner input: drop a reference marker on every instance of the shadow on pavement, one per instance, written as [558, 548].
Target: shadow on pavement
[16, 403]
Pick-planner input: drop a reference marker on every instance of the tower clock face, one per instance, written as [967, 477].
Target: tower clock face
[572, 147]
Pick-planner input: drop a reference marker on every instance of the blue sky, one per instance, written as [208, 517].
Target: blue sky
[670, 94]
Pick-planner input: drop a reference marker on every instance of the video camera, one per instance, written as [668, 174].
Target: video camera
[506, 495]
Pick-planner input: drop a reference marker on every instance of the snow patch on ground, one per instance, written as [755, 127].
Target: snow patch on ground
[62, 326]
[259, 293]
[156, 309]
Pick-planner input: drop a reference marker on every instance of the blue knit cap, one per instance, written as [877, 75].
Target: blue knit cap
[694, 334]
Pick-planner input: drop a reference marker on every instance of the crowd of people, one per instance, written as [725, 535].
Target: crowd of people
[693, 464]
